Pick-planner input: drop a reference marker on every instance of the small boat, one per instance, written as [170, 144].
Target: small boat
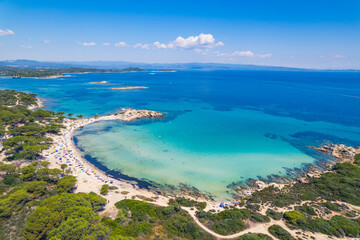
[16, 77]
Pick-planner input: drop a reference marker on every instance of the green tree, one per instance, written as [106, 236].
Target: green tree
[40, 113]
[67, 216]
[47, 174]
[66, 184]
[8, 168]
[280, 233]
[70, 114]
[79, 116]
[28, 173]
[104, 189]
[63, 167]
[37, 188]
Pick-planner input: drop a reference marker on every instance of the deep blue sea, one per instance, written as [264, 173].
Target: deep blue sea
[221, 126]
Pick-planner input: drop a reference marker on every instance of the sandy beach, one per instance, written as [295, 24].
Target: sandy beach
[90, 178]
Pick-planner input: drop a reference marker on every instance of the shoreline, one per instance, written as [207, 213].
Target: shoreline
[108, 172]
[98, 174]
[91, 178]
[39, 104]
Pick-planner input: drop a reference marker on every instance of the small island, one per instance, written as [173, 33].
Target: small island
[101, 82]
[129, 87]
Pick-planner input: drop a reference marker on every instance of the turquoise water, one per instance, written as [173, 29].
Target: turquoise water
[221, 126]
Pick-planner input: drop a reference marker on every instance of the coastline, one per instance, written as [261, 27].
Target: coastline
[91, 177]
[39, 104]
[95, 174]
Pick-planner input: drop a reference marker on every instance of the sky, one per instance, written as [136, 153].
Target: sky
[309, 34]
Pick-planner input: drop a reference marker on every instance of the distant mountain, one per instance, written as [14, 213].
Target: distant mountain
[152, 66]
[34, 64]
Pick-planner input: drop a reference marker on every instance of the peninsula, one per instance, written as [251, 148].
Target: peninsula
[20, 72]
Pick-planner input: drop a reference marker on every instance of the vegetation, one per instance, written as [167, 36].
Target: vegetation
[305, 208]
[229, 221]
[67, 216]
[332, 206]
[24, 130]
[338, 226]
[253, 236]
[104, 189]
[357, 159]
[66, 184]
[24, 188]
[47, 72]
[280, 233]
[342, 184]
[186, 202]
[274, 214]
[15, 98]
[143, 220]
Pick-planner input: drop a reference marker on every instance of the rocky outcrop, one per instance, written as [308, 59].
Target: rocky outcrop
[101, 82]
[138, 114]
[341, 152]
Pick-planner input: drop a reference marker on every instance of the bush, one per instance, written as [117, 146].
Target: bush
[323, 226]
[143, 220]
[10, 179]
[357, 159]
[332, 206]
[306, 209]
[257, 217]
[186, 202]
[254, 236]
[66, 184]
[295, 218]
[280, 233]
[104, 189]
[225, 222]
[273, 214]
[340, 184]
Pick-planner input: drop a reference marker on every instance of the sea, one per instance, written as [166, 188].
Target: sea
[221, 128]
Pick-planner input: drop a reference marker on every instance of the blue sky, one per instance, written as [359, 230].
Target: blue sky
[312, 34]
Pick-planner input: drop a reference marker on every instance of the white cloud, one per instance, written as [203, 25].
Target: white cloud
[159, 45]
[86, 44]
[202, 41]
[26, 46]
[267, 55]
[243, 53]
[120, 44]
[47, 41]
[201, 51]
[338, 56]
[142, 46]
[106, 44]
[6, 32]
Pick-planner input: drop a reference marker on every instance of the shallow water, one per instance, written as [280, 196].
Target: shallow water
[221, 126]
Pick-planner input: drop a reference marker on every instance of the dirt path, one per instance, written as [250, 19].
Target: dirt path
[256, 228]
